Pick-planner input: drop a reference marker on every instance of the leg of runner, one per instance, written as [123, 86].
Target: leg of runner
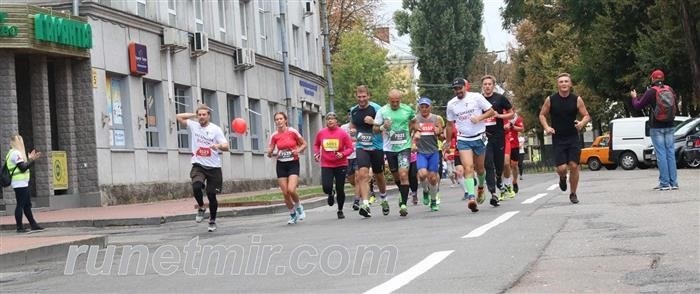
[283, 184]
[404, 161]
[514, 162]
[481, 172]
[197, 190]
[362, 179]
[507, 192]
[327, 179]
[413, 182]
[573, 180]
[422, 166]
[339, 175]
[467, 158]
[434, 180]
[292, 183]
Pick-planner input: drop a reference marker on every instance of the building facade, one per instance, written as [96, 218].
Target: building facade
[150, 60]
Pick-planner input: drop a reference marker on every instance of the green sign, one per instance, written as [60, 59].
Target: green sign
[62, 31]
[6, 31]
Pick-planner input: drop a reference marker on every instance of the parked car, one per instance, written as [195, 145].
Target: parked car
[682, 131]
[691, 153]
[597, 155]
[628, 139]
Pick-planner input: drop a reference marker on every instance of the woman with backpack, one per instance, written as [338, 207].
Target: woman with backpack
[662, 100]
[19, 165]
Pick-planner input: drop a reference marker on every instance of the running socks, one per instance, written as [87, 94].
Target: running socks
[404, 193]
[470, 186]
[482, 178]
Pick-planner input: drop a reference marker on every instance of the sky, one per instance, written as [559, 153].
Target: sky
[495, 37]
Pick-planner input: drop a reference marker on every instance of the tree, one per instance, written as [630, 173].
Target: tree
[359, 61]
[344, 15]
[445, 36]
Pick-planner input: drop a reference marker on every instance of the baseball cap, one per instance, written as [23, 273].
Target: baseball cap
[424, 100]
[458, 82]
[656, 74]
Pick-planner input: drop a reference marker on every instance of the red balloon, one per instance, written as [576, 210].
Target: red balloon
[239, 125]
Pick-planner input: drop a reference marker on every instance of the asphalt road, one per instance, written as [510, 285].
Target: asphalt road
[622, 237]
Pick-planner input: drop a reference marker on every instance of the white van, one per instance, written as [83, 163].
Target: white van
[628, 138]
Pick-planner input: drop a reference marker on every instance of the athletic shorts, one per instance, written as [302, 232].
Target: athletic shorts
[370, 158]
[476, 146]
[287, 168]
[396, 160]
[515, 154]
[210, 176]
[352, 166]
[566, 150]
[429, 161]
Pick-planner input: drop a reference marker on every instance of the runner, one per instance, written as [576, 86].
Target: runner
[206, 139]
[368, 148]
[495, 149]
[513, 128]
[413, 178]
[289, 144]
[395, 119]
[428, 128]
[467, 110]
[332, 146]
[352, 164]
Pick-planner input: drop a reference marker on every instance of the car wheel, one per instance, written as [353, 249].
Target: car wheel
[594, 164]
[628, 161]
[694, 163]
[611, 166]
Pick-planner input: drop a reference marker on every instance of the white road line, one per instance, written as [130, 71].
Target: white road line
[534, 198]
[552, 187]
[404, 278]
[499, 220]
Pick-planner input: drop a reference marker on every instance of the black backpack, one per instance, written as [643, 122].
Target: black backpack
[6, 175]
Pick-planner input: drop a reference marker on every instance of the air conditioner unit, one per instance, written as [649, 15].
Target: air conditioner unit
[244, 59]
[199, 43]
[173, 37]
[308, 8]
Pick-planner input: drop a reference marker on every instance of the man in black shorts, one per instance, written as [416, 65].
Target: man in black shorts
[563, 107]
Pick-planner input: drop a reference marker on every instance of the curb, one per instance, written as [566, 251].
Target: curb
[48, 252]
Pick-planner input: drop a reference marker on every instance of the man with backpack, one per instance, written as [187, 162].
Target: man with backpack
[662, 100]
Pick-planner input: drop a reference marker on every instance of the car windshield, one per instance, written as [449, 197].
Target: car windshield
[686, 126]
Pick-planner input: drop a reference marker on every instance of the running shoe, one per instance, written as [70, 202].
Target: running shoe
[509, 192]
[434, 206]
[212, 226]
[437, 198]
[372, 198]
[300, 212]
[573, 198]
[292, 218]
[674, 187]
[515, 188]
[494, 201]
[331, 198]
[504, 194]
[480, 195]
[385, 207]
[364, 211]
[200, 215]
[472, 204]
[562, 183]
[414, 197]
[340, 214]
[426, 198]
[356, 205]
[403, 210]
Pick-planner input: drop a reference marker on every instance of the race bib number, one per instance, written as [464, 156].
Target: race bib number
[203, 152]
[398, 138]
[427, 129]
[364, 139]
[285, 155]
[331, 144]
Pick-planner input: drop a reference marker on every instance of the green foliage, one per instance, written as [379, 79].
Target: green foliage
[445, 36]
[359, 61]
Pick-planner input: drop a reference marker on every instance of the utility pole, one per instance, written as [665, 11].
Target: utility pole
[285, 61]
[327, 56]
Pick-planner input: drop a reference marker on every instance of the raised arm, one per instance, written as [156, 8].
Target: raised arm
[183, 117]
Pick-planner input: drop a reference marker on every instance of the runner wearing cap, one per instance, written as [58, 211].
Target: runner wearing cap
[468, 110]
[428, 127]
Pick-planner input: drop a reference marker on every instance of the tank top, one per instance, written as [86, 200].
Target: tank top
[427, 143]
[563, 111]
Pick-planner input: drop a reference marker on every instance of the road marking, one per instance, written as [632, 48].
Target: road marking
[534, 198]
[404, 278]
[499, 220]
[552, 187]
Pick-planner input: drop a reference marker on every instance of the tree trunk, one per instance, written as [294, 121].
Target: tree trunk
[691, 37]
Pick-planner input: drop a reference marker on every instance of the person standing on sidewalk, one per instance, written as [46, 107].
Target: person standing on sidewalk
[495, 149]
[563, 107]
[289, 144]
[206, 139]
[662, 100]
[19, 165]
[332, 147]
[428, 128]
[395, 120]
[467, 110]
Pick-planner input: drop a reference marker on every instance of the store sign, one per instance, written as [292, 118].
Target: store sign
[309, 87]
[62, 31]
[60, 170]
[7, 30]
[138, 59]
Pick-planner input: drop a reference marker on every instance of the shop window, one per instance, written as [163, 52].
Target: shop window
[183, 103]
[234, 111]
[118, 111]
[255, 125]
[154, 123]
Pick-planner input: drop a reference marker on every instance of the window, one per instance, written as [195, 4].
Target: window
[234, 111]
[117, 104]
[255, 119]
[272, 108]
[209, 98]
[222, 20]
[310, 52]
[153, 103]
[183, 103]
[243, 6]
[297, 50]
[141, 8]
[172, 13]
[198, 19]
[265, 23]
